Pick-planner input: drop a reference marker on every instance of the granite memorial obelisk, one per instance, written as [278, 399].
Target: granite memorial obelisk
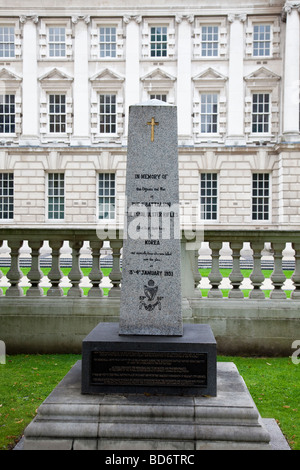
[151, 274]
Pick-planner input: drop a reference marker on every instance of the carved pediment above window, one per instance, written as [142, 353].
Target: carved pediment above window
[262, 76]
[55, 79]
[8, 80]
[209, 78]
[107, 79]
[158, 79]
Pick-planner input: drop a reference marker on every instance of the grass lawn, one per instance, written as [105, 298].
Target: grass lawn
[204, 273]
[26, 380]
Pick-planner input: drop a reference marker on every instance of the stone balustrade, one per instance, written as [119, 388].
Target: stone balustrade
[244, 319]
[213, 240]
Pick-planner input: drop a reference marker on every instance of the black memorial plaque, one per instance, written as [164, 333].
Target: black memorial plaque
[184, 365]
[148, 368]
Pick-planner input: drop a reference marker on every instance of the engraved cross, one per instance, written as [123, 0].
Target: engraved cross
[152, 124]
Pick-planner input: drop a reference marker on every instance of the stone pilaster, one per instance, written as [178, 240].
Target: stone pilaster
[291, 72]
[184, 72]
[81, 122]
[132, 72]
[30, 118]
[235, 129]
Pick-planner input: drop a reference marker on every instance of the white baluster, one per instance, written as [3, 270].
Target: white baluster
[257, 277]
[236, 277]
[1, 273]
[96, 275]
[215, 277]
[55, 274]
[197, 274]
[14, 275]
[75, 274]
[35, 274]
[278, 278]
[115, 274]
[296, 275]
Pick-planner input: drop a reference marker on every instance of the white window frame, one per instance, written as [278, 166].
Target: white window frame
[96, 24]
[107, 83]
[149, 23]
[207, 41]
[275, 47]
[261, 113]
[9, 43]
[56, 114]
[108, 220]
[213, 96]
[8, 219]
[109, 51]
[107, 122]
[262, 81]
[159, 96]
[45, 26]
[55, 82]
[55, 220]
[264, 41]
[222, 25]
[205, 220]
[3, 99]
[269, 219]
[158, 45]
[58, 42]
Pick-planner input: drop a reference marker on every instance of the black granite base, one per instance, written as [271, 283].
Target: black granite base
[176, 365]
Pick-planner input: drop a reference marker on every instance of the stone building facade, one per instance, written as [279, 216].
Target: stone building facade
[68, 74]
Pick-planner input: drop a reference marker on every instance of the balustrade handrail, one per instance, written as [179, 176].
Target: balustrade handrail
[215, 238]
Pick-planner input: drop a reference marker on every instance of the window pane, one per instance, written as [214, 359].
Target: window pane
[7, 114]
[158, 41]
[57, 114]
[106, 196]
[6, 196]
[210, 41]
[107, 114]
[56, 199]
[260, 113]
[107, 41]
[209, 196]
[57, 42]
[209, 113]
[260, 197]
[261, 40]
[7, 41]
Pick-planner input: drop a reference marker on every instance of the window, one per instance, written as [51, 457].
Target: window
[159, 97]
[158, 41]
[209, 196]
[209, 113]
[7, 114]
[260, 113]
[57, 42]
[107, 114]
[57, 114]
[210, 41]
[7, 41]
[260, 196]
[107, 196]
[261, 40]
[108, 41]
[6, 196]
[56, 196]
